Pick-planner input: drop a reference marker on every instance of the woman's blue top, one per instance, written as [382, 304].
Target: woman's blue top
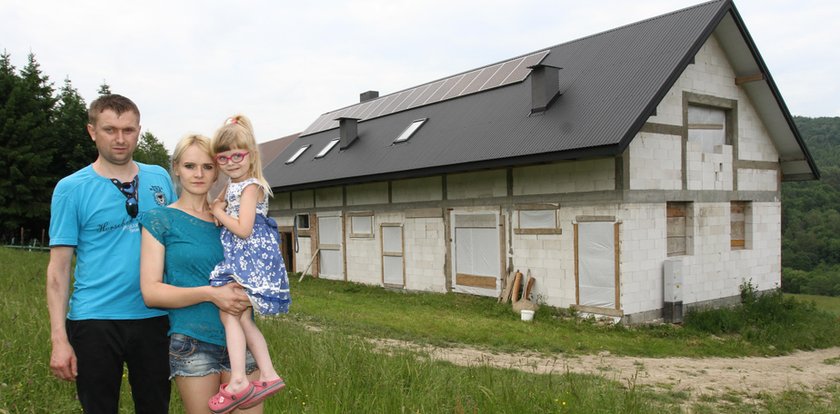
[193, 249]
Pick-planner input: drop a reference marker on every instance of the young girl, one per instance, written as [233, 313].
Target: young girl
[252, 259]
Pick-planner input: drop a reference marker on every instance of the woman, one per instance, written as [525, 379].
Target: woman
[180, 247]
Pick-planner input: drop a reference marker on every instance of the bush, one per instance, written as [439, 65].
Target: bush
[824, 280]
[769, 320]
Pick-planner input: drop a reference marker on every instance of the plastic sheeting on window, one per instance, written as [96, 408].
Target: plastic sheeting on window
[708, 117]
[477, 253]
[538, 219]
[392, 266]
[596, 264]
[392, 269]
[330, 264]
[329, 233]
[392, 239]
[361, 224]
[329, 230]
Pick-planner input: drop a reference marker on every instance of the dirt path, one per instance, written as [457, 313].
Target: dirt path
[805, 371]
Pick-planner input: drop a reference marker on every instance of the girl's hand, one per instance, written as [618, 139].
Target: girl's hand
[222, 194]
[218, 207]
[230, 298]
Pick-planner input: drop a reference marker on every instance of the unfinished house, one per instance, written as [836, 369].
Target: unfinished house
[631, 172]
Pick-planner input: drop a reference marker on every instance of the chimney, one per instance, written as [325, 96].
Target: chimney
[366, 96]
[348, 129]
[544, 86]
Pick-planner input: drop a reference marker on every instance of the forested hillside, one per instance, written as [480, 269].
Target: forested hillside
[811, 215]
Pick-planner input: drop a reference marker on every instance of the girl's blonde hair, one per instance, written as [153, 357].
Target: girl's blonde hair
[187, 141]
[237, 133]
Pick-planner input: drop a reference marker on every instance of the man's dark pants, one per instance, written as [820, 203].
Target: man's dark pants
[103, 346]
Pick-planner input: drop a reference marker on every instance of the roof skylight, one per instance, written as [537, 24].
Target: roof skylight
[327, 148]
[297, 154]
[410, 130]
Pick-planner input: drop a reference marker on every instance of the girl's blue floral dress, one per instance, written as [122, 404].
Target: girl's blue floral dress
[254, 262]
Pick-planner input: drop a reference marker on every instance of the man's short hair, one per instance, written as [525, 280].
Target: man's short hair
[114, 102]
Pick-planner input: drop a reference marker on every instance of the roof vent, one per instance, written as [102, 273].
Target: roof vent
[367, 96]
[348, 130]
[545, 86]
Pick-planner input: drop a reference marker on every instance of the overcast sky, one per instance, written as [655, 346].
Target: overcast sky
[190, 64]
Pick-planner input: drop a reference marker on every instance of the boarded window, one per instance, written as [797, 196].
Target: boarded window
[707, 127]
[739, 216]
[677, 215]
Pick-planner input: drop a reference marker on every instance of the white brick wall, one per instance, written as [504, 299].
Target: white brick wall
[482, 184]
[708, 171]
[363, 194]
[303, 199]
[565, 177]
[425, 254]
[329, 197]
[758, 180]
[656, 162]
[280, 201]
[418, 189]
[712, 75]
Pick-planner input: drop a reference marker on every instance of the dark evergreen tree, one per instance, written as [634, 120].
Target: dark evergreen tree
[26, 150]
[151, 151]
[78, 150]
[104, 89]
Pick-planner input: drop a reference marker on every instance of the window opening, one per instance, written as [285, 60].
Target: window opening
[677, 233]
[327, 148]
[739, 220]
[361, 226]
[707, 127]
[410, 130]
[297, 154]
[302, 221]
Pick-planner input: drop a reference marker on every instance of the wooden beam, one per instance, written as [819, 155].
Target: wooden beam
[740, 80]
[486, 282]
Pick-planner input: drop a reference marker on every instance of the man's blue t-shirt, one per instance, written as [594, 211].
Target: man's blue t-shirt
[193, 249]
[88, 212]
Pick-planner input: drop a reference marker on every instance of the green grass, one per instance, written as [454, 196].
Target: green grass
[335, 369]
[830, 304]
[442, 319]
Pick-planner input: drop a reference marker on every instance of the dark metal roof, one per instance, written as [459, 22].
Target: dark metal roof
[611, 83]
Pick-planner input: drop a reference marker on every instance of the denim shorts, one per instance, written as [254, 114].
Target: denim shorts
[189, 357]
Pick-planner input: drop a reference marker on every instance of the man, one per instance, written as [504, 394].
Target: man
[94, 215]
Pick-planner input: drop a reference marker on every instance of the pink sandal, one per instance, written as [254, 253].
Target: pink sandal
[262, 390]
[225, 401]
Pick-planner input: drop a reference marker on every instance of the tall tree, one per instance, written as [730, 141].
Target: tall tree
[71, 133]
[8, 78]
[27, 150]
[151, 151]
[104, 89]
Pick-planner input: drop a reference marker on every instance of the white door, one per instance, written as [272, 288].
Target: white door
[596, 264]
[476, 262]
[329, 241]
[393, 268]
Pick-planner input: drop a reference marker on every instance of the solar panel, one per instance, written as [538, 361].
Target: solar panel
[493, 76]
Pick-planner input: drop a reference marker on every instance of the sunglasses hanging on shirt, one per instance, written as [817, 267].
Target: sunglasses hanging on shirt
[129, 190]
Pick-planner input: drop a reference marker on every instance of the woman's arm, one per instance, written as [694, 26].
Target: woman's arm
[243, 226]
[230, 298]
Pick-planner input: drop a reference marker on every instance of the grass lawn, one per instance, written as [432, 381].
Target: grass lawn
[322, 351]
[829, 304]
